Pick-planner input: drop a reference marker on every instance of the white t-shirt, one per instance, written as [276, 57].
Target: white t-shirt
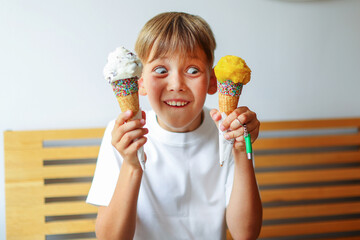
[184, 191]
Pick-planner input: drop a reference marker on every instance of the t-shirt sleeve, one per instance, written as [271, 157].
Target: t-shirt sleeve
[106, 172]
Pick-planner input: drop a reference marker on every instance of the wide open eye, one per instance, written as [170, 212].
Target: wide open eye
[160, 70]
[192, 70]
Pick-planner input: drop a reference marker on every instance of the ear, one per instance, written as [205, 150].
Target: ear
[213, 83]
[142, 90]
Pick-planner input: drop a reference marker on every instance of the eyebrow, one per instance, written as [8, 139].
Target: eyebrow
[193, 57]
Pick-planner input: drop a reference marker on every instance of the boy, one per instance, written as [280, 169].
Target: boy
[184, 193]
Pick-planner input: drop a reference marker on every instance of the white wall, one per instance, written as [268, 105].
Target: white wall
[304, 56]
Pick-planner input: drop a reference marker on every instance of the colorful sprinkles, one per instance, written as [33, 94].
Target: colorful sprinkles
[230, 88]
[124, 87]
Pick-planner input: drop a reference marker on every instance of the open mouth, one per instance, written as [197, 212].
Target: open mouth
[177, 103]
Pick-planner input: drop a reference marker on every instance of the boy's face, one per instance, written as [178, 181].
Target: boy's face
[176, 87]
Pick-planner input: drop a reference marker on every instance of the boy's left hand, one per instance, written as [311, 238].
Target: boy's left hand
[236, 131]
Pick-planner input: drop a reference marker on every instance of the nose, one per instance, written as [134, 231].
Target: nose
[177, 83]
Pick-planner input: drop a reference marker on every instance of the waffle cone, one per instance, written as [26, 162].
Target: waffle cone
[129, 102]
[228, 104]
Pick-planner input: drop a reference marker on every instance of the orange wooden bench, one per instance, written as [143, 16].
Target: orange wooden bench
[47, 177]
[309, 177]
[308, 173]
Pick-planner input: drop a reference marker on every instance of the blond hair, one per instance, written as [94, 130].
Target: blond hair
[172, 32]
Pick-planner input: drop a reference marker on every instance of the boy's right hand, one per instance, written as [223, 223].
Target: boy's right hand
[128, 137]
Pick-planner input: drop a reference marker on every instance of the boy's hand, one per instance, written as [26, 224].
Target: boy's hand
[236, 131]
[128, 137]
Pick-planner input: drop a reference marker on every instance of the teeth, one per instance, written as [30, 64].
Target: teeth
[177, 104]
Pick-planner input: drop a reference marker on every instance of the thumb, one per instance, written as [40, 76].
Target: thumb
[216, 116]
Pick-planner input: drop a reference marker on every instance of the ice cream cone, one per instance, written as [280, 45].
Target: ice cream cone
[228, 101]
[129, 102]
[232, 73]
[122, 71]
[126, 92]
[227, 104]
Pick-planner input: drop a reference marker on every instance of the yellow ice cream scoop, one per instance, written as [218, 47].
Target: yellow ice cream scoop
[232, 68]
[232, 73]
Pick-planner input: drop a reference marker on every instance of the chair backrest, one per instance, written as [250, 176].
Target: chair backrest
[308, 173]
[309, 176]
[47, 178]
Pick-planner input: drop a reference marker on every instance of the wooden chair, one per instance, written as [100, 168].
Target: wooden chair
[308, 173]
[46, 185]
[309, 176]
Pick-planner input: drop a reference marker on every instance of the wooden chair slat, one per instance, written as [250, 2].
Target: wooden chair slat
[310, 124]
[66, 190]
[64, 153]
[307, 142]
[307, 159]
[314, 210]
[309, 193]
[295, 229]
[68, 208]
[67, 227]
[69, 171]
[308, 176]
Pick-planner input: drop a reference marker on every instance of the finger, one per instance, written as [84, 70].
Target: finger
[236, 124]
[123, 117]
[131, 137]
[119, 131]
[215, 116]
[247, 118]
[133, 124]
[239, 134]
[240, 139]
[234, 134]
[131, 151]
[129, 126]
[253, 131]
[231, 117]
[143, 114]
[253, 124]
[136, 145]
[252, 127]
